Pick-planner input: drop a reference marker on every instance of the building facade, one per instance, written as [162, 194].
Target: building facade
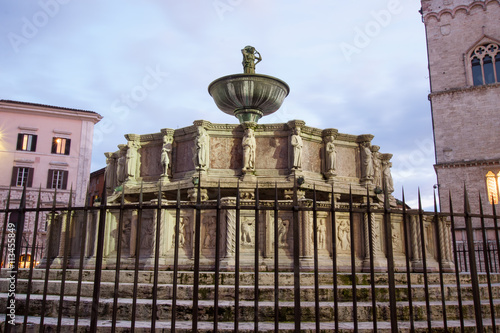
[463, 41]
[45, 148]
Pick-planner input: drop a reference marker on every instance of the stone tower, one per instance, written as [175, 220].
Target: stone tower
[463, 42]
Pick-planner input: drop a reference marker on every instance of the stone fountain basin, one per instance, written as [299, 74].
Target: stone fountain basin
[240, 92]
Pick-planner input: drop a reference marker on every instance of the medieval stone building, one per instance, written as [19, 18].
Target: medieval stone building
[463, 40]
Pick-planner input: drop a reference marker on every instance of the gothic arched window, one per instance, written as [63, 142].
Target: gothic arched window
[492, 186]
[485, 64]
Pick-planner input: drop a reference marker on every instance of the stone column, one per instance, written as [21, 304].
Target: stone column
[149, 264]
[379, 258]
[59, 260]
[416, 244]
[444, 235]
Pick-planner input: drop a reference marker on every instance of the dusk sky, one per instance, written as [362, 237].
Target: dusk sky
[359, 67]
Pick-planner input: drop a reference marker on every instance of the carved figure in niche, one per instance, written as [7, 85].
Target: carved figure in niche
[132, 156]
[377, 167]
[202, 142]
[120, 166]
[331, 155]
[250, 55]
[321, 234]
[165, 159]
[395, 235]
[282, 232]
[182, 239]
[297, 144]
[388, 182]
[246, 237]
[209, 241]
[366, 158]
[343, 235]
[249, 146]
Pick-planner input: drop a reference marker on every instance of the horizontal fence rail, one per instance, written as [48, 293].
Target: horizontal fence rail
[260, 259]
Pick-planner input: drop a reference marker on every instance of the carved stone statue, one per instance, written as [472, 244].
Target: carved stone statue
[165, 158]
[249, 146]
[182, 238]
[282, 232]
[331, 155]
[343, 236]
[121, 164]
[250, 55]
[110, 172]
[377, 166]
[366, 158]
[297, 144]
[202, 144]
[321, 234]
[209, 241]
[388, 182]
[246, 237]
[132, 156]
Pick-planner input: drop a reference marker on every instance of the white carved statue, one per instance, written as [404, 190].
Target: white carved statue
[246, 237]
[202, 144]
[110, 172]
[366, 158]
[121, 165]
[331, 155]
[343, 236]
[321, 234]
[388, 182]
[249, 146]
[377, 166]
[165, 159]
[297, 144]
[132, 157]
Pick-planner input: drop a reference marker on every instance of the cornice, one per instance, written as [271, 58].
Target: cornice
[465, 164]
[453, 11]
[465, 89]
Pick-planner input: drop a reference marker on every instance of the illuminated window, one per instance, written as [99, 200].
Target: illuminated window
[26, 142]
[485, 64]
[61, 146]
[21, 176]
[492, 185]
[57, 179]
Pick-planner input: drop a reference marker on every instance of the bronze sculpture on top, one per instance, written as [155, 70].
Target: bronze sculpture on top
[248, 96]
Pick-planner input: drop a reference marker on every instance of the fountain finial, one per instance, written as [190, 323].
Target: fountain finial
[250, 54]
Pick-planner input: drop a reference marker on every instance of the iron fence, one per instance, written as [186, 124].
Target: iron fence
[433, 259]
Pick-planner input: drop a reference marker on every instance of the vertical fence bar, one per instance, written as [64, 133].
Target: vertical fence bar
[154, 306]
[390, 263]
[457, 273]
[11, 298]
[407, 257]
[197, 240]
[440, 264]
[256, 264]
[497, 240]
[48, 261]
[476, 296]
[217, 258]
[4, 230]
[487, 264]
[83, 239]
[276, 260]
[32, 260]
[334, 260]
[316, 265]
[315, 249]
[372, 265]
[424, 262]
[138, 233]
[296, 259]
[353, 263]
[65, 260]
[98, 264]
[237, 263]
[176, 260]
[116, 288]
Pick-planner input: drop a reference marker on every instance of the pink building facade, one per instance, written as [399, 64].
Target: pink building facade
[46, 148]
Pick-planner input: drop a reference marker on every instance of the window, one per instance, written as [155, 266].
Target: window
[60, 146]
[485, 64]
[492, 185]
[57, 179]
[26, 142]
[22, 176]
